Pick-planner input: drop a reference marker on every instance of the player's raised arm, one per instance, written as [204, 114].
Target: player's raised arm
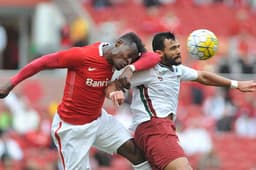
[63, 59]
[29, 70]
[212, 79]
[146, 61]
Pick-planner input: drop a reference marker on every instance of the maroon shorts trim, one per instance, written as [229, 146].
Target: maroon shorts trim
[158, 139]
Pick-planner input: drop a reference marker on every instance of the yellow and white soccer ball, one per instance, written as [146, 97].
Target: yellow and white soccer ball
[202, 44]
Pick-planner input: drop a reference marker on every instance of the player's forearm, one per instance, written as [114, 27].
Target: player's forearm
[111, 88]
[147, 60]
[120, 84]
[212, 79]
[45, 62]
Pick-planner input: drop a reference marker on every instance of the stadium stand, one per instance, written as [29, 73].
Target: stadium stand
[209, 16]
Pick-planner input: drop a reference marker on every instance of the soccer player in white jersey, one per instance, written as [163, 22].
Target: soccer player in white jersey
[155, 101]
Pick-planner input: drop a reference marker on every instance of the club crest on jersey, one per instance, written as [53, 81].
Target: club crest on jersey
[160, 78]
[96, 83]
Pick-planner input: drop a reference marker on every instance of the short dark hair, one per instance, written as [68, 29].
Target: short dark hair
[131, 37]
[158, 40]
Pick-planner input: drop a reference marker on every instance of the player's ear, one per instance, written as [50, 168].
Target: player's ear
[161, 53]
[119, 42]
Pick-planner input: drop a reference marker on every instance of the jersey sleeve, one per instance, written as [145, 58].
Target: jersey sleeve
[147, 60]
[72, 58]
[187, 73]
[64, 59]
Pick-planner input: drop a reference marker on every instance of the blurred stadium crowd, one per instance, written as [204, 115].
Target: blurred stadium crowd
[216, 127]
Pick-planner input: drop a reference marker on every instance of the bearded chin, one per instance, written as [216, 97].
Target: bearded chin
[175, 62]
[171, 62]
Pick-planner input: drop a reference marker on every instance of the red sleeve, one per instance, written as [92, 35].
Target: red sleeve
[147, 60]
[64, 59]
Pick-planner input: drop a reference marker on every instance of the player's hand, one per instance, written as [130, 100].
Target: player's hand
[117, 97]
[122, 84]
[247, 86]
[127, 73]
[5, 89]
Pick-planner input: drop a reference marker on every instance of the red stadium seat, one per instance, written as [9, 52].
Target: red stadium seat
[235, 152]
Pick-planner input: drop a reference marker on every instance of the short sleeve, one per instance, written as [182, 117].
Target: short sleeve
[188, 73]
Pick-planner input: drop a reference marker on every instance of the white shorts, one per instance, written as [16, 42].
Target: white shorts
[74, 141]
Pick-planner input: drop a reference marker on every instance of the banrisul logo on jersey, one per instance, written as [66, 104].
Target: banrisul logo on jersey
[96, 83]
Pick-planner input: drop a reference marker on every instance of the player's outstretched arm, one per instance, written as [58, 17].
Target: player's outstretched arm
[212, 79]
[49, 61]
[246, 86]
[29, 70]
[147, 60]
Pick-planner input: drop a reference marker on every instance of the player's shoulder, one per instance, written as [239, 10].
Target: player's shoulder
[185, 70]
[91, 50]
[181, 67]
[96, 44]
[92, 46]
[99, 44]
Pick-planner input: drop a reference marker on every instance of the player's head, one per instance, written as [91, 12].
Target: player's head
[166, 45]
[126, 50]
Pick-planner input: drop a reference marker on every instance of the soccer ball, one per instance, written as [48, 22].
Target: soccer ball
[202, 44]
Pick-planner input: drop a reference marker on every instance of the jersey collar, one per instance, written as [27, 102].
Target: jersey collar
[100, 48]
[164, 67]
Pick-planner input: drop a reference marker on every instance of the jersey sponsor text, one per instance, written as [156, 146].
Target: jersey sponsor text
[94, 83]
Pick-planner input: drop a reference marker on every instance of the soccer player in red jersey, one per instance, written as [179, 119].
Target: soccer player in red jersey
[80, 122]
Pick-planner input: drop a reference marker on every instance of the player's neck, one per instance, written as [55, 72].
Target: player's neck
[169, 66]
[107, 52]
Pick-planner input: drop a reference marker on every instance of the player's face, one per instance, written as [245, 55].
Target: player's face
[171, 53]
[124, 55]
